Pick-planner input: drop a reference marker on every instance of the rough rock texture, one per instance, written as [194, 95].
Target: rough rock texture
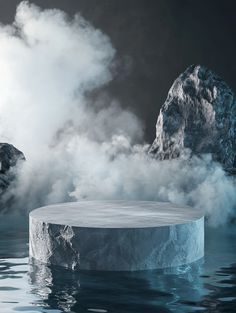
[9, 156]
[116, 235]
[199, 114]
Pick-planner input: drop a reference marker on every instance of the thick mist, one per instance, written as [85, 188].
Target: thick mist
[79, 146]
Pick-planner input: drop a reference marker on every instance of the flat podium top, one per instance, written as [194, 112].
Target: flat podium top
[116, 214]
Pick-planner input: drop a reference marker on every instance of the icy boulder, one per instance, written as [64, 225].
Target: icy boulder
[199, 114]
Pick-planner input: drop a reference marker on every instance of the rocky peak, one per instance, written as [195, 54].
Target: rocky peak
[9, 157]
[199, 114]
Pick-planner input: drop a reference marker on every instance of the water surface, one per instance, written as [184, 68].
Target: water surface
[206, 286]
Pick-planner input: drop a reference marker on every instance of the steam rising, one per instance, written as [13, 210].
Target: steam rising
[77, 148]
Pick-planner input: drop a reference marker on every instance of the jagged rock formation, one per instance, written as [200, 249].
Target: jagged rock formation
[199, 114]
[9, 157]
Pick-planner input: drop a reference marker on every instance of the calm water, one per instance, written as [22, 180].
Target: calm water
[207, 286]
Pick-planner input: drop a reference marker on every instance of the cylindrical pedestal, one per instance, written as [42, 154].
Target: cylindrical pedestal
[116, 235]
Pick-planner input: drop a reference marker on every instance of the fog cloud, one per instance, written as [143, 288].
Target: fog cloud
[83, 147]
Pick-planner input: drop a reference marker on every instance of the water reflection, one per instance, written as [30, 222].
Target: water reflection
[148, 291]
[222, 296]
[208, 286]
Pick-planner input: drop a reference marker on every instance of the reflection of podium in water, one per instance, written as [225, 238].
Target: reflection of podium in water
[116, 235]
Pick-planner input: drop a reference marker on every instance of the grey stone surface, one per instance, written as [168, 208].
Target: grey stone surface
[116, 235]
[10, 157]
[199, 114]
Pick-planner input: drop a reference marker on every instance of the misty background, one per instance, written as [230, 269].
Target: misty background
[80, 95]
[155, 40]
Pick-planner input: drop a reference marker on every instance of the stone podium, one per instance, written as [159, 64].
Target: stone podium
[116, 235]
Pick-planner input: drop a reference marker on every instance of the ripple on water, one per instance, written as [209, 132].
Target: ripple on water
[207, 286]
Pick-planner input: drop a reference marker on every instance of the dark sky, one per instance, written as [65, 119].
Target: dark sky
[155, 41]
